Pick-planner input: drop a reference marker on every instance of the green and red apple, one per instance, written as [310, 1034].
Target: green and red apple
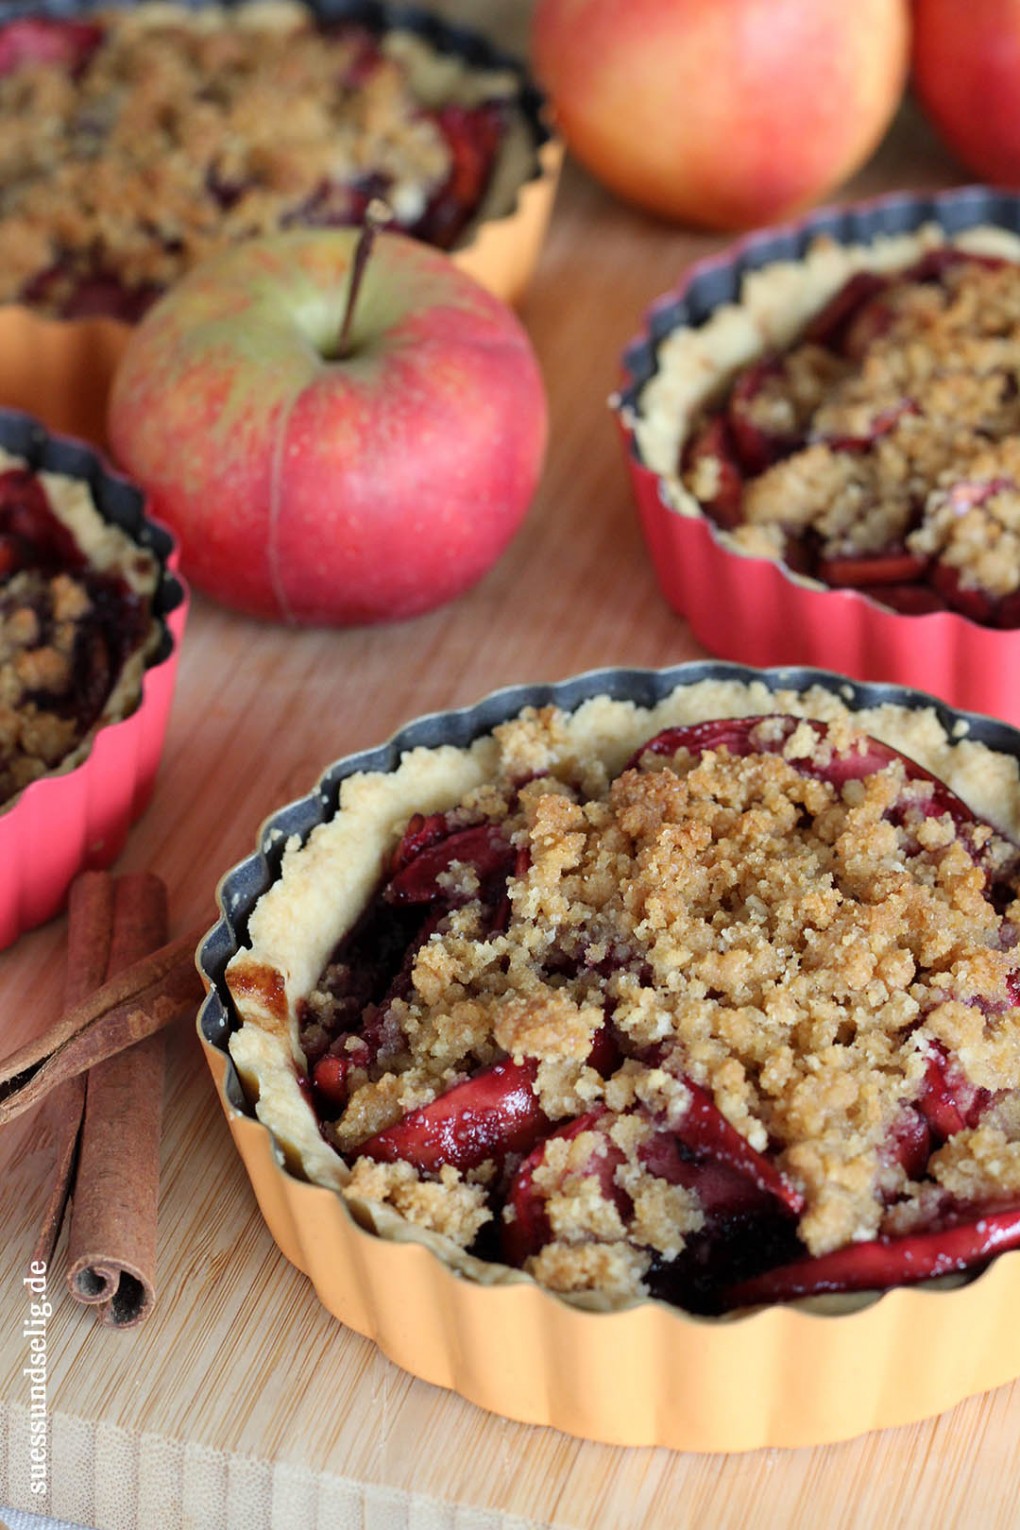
[320, 487]
[723, 113]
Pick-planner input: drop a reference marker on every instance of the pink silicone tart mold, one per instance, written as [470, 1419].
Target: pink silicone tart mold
[729, 318]
[77, 812]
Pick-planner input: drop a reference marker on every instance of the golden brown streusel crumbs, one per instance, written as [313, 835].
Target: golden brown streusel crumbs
[177, 135]
[617, 1269]
[907, 438]
[798, 945]
[551, 1026]
[448, 1205]
[978, 1165]
[537, 742]
[52, 687]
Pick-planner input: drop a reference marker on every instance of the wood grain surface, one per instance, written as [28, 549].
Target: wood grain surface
[241, 1402]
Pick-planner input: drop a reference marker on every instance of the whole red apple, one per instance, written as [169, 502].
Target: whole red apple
[326, 489]
[966, 62]
[725, 113]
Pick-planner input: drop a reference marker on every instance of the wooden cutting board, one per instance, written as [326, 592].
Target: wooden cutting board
[241, 1402]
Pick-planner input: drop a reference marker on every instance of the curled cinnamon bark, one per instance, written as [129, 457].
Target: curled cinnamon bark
[100, 1069]
[89, 932]
[112, 1245]
[129, 1006]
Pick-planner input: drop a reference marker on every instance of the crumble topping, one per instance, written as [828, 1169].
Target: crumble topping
[797, 945]
[33, 738]
[613, 1268]
[982, 1165]
[134, 153]
[591, 1247]
[446, 1205]
[911, 438]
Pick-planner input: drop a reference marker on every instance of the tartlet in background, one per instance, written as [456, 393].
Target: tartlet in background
[647, 1374]
[78, 814]
[726, 313]
[59, 369]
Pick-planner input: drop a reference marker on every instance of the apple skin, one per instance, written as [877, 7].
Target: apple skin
[966, 73]
[722, 113]
[332, 492]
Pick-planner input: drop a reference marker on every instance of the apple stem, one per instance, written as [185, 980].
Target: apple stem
[377, 215]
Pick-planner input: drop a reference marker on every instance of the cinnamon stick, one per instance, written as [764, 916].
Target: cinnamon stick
[112, 1244]
[129, 1006]
[89, 931]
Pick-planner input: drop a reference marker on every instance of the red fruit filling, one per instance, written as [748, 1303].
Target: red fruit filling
[487, 1117]
[739, 1026]
[830, 326]
[473, 135]
[168, 141]
[711, 458]
[33, 42]
[66, 630]
[961, 1239]
[757, 444]
[881, 451]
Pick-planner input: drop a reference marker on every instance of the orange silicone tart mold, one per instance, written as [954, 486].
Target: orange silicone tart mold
[60, 370]
[77, 818]
[757, 610]
[807, 1373]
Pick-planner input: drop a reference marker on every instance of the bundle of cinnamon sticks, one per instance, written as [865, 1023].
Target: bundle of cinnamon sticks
[100, 1071]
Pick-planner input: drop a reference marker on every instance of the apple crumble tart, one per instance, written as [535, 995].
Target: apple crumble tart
[76, 622]
[873, 441]
[136, 142]
[716, 1003]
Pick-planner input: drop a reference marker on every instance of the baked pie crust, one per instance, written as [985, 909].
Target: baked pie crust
[325, 885]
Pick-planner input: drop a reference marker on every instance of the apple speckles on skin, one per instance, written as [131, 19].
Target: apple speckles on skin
[332, 491]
